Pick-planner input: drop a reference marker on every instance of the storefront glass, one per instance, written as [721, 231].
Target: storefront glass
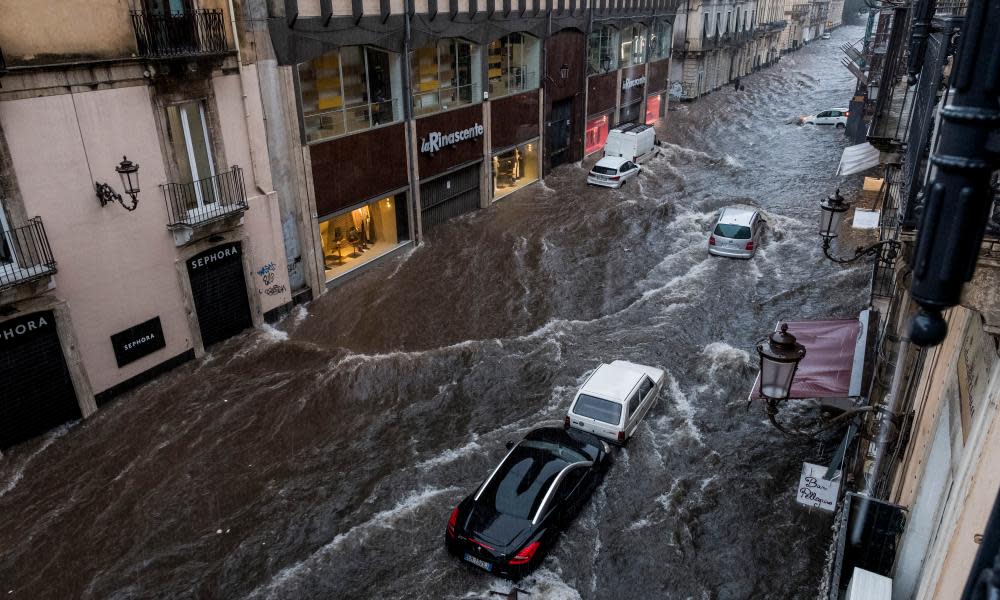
[630, 114]
[633, 47]
[596, 134]
[358, 236]
[660, 38]
[445, 75]
[350, 89]
[515, 168]
[653, 112]
[602, 50]
[513, 64]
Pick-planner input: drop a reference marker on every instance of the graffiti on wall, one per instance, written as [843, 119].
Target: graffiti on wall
[267, 275]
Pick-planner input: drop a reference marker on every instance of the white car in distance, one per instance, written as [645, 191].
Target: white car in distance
[612, 172]
[614, 400]
[834, 116]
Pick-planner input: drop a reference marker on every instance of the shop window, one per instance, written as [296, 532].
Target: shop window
[633, 46]
[596, 134]
[360, 235]
[191, 147]
[660, 40]
[653, 108]
[602, 50]
[513, 64]
[350, 89]
[515, 168]
[445, 75]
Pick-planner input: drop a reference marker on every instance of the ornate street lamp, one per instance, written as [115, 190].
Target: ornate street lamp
[564, 72]
[830, 219]
[129, 173]
[779, 359]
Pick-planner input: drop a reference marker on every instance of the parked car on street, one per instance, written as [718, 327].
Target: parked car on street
[508, 524]
[614, 399]
[634, 142]
[825, 35]
[834, 116]
[612, 172]
[736, 233]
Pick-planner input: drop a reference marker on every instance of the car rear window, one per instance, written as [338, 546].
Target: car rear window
[735, 232]
[598, 409]
[520, 485]
[606, 170]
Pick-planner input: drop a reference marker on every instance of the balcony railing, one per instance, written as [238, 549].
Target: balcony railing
[180, 34]
[206, 200]
[25, 254]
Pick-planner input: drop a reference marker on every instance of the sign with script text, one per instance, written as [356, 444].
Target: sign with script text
[816, 492]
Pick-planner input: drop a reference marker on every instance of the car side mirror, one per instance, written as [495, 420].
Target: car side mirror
[509, 444]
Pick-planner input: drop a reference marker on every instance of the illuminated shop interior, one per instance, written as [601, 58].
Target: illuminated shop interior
[596, 134]
[515, 168]
[513, 64]
[353, 238]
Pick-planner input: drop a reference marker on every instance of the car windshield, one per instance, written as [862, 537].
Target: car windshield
[519, 486]
[729, 230]
[605, 170]
[598, 409]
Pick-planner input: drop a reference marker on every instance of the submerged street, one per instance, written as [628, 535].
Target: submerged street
[320, 458]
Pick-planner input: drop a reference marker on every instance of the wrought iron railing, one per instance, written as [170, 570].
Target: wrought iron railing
[206, 200]
[868, 534]
[180, 34]
[25, 254]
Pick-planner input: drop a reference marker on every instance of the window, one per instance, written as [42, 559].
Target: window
[633, 403]
[569, 482]
[348, 90]
[513, 64]
[445, 75]
[596, 134]
[644, 386]
[602, 50]
[633, 46]
[357, 236]
[598, 409]
[705, 32]
[733, 232]
[6, 252]
[660, 39]
[515, 168]
[192, 151]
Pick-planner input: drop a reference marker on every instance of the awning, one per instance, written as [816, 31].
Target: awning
[835, 358]
[858, 158]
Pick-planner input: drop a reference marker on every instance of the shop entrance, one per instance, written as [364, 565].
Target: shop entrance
[220, 292]
[38, 393]
[449, 196]
[559, 128]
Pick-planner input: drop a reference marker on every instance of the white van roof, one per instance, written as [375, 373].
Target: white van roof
[631, 128]
[612, 382]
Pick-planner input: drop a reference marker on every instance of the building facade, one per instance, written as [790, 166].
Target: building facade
[114, 269]
[403, 115]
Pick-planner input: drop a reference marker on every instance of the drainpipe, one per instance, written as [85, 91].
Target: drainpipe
[416, 223]
[254, 152]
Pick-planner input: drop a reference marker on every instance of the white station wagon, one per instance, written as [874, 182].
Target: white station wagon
[614, 399]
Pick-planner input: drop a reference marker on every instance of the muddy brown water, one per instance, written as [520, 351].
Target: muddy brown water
[321, 458]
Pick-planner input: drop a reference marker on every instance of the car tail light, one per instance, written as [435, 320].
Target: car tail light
[621, 436]
[566, 422]
[526, 554]
[452, 520]
[615, 178]
[711, 240]
[750, 245]
[847, 113]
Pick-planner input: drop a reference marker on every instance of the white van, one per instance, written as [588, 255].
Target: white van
[632, 142]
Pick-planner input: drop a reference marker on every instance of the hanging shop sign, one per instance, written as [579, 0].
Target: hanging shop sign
[816, 492]
[436, 140]
[628, 84]
[138, 341]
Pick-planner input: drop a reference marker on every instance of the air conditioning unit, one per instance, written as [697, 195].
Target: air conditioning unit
[866, 585]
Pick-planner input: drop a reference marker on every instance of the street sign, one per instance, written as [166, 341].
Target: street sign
[816, 492]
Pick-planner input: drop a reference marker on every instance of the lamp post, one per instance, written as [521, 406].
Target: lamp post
[780, 355]
[830, 219]
[128, 171]
[564, 72]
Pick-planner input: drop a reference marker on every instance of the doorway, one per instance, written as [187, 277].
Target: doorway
[220, 292]
[560, 128]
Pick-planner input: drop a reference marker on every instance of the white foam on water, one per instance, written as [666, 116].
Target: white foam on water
[684, 408]
[300, 314]
[545, 583]
[47, 441]
[729, 161]
[385, 518]
[273, 334]
[450, 455]
[640, 524]
[404, 257]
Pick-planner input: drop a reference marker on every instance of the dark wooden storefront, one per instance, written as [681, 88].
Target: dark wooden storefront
[220, 292]
[37, 391]
[450, 174]
[449, 196]
[564, 98]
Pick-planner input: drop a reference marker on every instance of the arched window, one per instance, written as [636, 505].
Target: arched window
[705, 33]
[633, 46]
[602, 50]
[512, 64]
[445, 75]
[350, 89]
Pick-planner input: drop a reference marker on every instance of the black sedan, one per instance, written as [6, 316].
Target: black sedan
[515, 516]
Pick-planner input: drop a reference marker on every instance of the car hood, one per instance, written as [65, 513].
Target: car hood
[504, 533]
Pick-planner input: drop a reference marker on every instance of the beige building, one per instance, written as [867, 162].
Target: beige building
[113, 270]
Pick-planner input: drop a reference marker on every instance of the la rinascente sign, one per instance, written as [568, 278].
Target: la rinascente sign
[436, 140]
[628, 84]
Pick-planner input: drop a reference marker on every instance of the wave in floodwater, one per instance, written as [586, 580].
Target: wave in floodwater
[320, 458]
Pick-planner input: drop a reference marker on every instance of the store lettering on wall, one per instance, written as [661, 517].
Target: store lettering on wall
[213, 256]
[138, 341]
[628, 84]
[436, 140]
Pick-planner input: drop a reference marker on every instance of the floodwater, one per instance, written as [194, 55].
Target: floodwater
[322, 457]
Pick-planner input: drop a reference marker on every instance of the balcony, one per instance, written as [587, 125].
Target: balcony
[220, 199]
[25, 254]
[184, 34]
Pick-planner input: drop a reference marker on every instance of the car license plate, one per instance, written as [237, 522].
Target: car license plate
[482, 564]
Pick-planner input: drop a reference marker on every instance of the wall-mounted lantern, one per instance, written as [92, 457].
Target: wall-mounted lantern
[830, 219]
[564, 72]
[129, 173]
